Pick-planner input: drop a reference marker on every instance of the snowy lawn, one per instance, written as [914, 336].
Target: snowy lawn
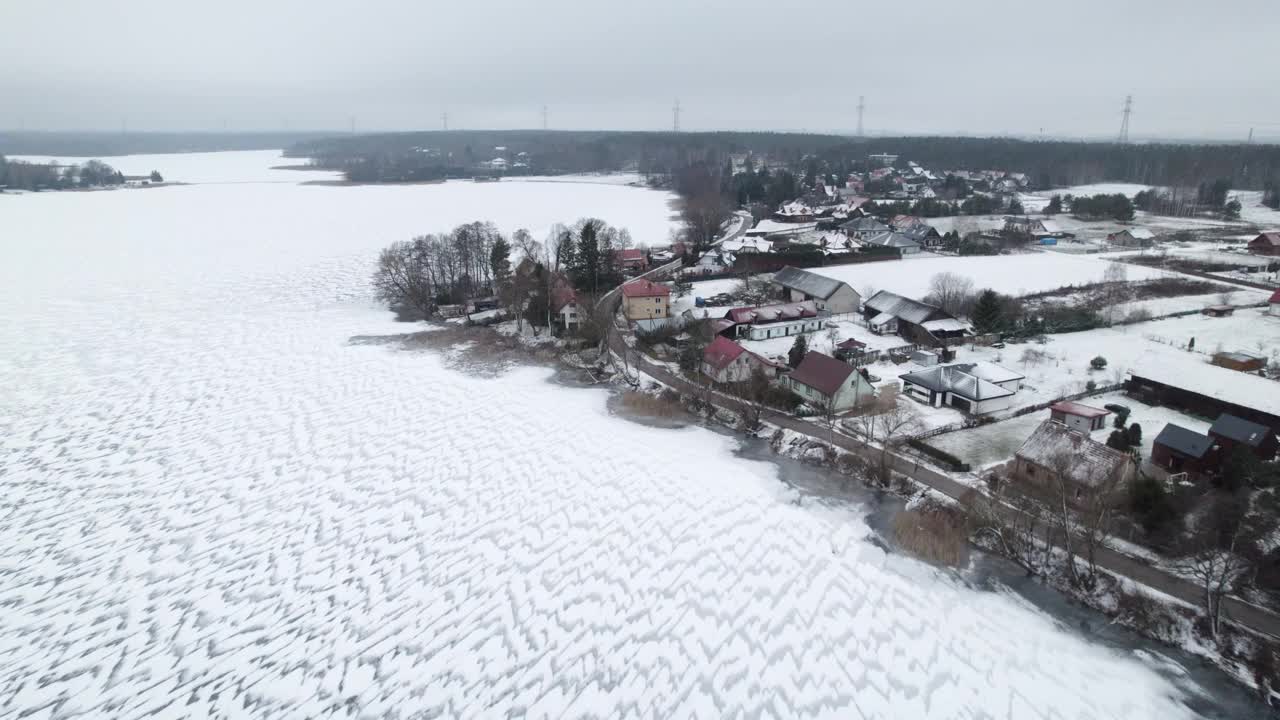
[1009, 274]
[217, 505]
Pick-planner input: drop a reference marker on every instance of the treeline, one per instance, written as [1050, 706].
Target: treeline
[1115, 206]
[1047, 163]
[101, 144]
[476, 260]
[18, 175]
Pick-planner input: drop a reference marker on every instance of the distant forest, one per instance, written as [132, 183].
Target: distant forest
[101, 144]
[457, 153]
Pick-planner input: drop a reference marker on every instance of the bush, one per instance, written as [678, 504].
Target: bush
[934, 534]
[1098, 363]
[954, 463]
[1091, 386]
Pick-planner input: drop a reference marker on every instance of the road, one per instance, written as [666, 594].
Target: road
[1239, 612]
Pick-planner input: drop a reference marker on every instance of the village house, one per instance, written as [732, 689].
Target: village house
[725, 361]
[891, 240]
[887, 313]
[1267, 243]
[1079, 417]
[645, 300]
[1055, 455]
[1241, 361]
[862, 227]
[824, 381]
[1179, 450]
[1273, 304]
[1230, 432]
[564, 308]
[884, 160]
[975, 388]
[631, 261]
[1132, 238]
[829, 294]
[794, 212]
[770, 321]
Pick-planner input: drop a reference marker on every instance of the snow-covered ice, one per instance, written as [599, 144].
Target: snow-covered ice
[216, 506]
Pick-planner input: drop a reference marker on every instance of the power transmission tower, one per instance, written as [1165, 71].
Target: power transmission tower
[544, 117]
[1124, 123]
[353, 124]
[675, 117]
[1250, 136]
[862, 105]
[444, 120]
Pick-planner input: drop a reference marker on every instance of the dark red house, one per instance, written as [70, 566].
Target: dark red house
[1267, 243]
[1229, 432]
[1177, 449]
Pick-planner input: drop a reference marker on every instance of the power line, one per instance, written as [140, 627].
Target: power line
[675, 117]
[862, 105]
[1124, 123]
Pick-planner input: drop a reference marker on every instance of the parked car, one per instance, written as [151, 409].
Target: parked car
[1117, 408]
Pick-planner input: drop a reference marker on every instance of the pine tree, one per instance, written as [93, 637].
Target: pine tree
[500, 263]
[988, 316]
[798, 350]
[1055, 205]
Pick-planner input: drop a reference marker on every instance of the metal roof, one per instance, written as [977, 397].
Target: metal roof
[811, 284]
[1079, 409]
[891, 240]
[822, 373]
[1240, 430]
[721, 352]
[959, 380]
[913, 311]
[1187, 442]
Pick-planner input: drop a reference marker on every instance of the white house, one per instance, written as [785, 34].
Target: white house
[770, 321]
[564, 306]
[824, 381]
[1273, 305]
[826, 293]
[976, 388]
[1079, 417]
[725, 361]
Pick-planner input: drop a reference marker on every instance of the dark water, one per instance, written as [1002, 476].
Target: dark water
[1207, 691]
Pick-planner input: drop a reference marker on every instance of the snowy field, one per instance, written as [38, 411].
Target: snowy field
[210, 167]
[1009, 274]
[218, 506]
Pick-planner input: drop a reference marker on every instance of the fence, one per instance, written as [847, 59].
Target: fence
[1066, 398]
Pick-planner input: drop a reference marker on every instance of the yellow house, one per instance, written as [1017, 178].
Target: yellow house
[645, 300]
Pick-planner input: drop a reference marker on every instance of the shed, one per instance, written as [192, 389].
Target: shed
[1177, 449]
[1231, 432]
[1078, 416]
[1242, 361]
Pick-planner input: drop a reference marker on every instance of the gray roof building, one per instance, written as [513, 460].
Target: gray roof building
[913, 311]
[1239, 430]
[1187, 442]
[812, 284]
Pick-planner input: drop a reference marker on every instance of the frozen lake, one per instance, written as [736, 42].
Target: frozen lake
[214, 506]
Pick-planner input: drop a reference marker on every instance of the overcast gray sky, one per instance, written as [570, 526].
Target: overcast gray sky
[1196, 69]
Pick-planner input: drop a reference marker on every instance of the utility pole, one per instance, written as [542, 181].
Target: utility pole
[353, 124]
[544, 117]
[862, 105]
[675, 117]
[1124, 123]
[1250, 136]
[444, 119]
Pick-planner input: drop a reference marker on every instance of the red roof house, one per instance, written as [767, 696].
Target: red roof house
[645, 300]
[1267, 243]
[634, 260]
[823, 380]
[1079, 417]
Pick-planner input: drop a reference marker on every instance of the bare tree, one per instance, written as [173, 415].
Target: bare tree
[1219, 570]
[1018, 526]
[1115, 289]
[951, 292]
[890, 422]
[1083, 507]
[755, 391]
[403, 278]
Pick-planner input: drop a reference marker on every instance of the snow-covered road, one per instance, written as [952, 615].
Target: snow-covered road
[215, 506]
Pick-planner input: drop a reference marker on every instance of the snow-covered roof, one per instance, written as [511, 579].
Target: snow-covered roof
[891, 239]
[811, 284]
[1140, 233]
[1192, 374]
[913, 311]
[882, 319]
[959, 379]
[1054, 446]
[1078, 409]
[773, 313]
[946, 325]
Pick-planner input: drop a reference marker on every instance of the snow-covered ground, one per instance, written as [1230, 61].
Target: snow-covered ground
[1009, 274]
[996, 443]
[216, 505]
[207, 167]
